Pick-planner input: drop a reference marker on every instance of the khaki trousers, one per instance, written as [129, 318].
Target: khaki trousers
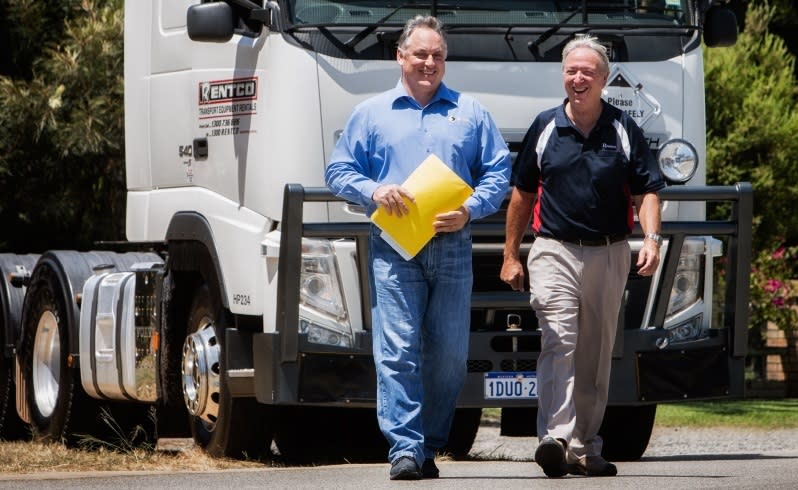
[576, 292]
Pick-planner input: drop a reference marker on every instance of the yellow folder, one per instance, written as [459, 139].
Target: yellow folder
[436, 189]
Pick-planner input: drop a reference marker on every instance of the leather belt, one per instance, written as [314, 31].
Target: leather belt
[593, 242]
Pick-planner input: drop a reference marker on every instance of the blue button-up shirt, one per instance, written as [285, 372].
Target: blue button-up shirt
[389, 135]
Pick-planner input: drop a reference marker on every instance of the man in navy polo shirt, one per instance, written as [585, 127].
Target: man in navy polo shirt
[582, 168]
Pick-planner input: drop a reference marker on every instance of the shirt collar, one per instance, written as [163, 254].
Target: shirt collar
[605, 119]
[443, 93]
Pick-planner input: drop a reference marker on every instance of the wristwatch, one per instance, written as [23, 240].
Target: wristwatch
[655, 237]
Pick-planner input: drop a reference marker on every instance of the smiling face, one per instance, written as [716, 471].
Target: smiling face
[584, 77]
[423, 62]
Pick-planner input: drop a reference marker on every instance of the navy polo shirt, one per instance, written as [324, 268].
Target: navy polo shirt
[585, 185]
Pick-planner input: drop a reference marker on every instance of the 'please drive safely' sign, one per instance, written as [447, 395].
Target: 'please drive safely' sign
[627, 94]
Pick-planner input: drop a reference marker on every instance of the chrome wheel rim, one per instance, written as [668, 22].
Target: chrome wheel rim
[46, 363]
[200, 374]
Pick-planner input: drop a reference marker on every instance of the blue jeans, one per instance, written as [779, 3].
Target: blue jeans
[421, 314]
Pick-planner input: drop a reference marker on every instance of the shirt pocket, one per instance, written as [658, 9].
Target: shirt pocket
[611, 164]
[460, 141]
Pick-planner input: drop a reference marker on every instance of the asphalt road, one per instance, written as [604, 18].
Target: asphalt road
[728, 471]
[676, 459]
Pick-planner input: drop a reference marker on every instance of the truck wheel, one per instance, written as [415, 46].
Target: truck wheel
[59, 408]
[224, 426]
[626, 431]
[11, 298]
[52, 388]
[327, 435]
[463, 432]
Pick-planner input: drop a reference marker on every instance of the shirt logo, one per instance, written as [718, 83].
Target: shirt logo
[605, 146]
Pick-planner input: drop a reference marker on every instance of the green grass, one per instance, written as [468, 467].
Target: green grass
[760, 414]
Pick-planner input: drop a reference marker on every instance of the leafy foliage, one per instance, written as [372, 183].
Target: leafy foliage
[62, 144]
[752, 121]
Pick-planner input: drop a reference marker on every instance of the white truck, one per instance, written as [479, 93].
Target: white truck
[238, 311]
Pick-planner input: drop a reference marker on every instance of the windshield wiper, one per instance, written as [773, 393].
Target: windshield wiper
[534, 46]
[351, 43]
[434, 6]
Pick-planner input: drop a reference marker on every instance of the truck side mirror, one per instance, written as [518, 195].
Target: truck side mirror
[210, 22]
[720, 27]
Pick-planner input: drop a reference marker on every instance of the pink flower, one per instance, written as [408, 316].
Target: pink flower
[779, 253]
[773, 285]
[778, 302]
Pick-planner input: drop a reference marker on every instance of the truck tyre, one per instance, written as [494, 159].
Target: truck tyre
[11, 426]
[463, 432]
[59, 408]
[626, 431]
[305, 434]
[53, 389]
[519, 422]
[224, 426]
[326, 435]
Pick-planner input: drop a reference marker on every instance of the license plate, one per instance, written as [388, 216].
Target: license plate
[511, 385]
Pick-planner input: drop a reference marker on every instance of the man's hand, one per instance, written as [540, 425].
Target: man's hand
[519, 211]
[648, 258]
[513, 273]
[390, 196]
[451, 221]
[649, 214]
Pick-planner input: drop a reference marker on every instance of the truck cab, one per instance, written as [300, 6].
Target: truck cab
[257, 284]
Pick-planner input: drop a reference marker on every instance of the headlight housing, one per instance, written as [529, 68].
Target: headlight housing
[689, 330]
[319, 286]
[323, 313]
[687, 283]
[677, 160]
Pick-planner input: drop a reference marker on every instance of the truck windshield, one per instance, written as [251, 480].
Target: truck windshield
[622, 14]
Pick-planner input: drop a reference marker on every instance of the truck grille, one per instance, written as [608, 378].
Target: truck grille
[487, 263]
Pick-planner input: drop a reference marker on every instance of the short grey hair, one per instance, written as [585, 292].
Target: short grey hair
[427, 21]
[589, 42]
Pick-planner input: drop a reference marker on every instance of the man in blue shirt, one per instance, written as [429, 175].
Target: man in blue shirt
[581, 168]
[420, 307]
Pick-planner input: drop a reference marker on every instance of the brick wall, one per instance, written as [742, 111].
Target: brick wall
[781, 360]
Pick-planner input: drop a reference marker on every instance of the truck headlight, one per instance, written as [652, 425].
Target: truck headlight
[677, 160]
[319, 286]
[328, 334]
[689, 330]
[687, 281]
[323, 314]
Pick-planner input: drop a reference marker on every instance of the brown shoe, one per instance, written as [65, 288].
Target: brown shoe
[592, 466]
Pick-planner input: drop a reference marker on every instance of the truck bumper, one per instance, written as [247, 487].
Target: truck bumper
[641, 373]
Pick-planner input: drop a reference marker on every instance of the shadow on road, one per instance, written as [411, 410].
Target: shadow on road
[714, 457]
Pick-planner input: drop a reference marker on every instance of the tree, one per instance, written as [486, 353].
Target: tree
[752, 121]
[62, 144]
[783, 24]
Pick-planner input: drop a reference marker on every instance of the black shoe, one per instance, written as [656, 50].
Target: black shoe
[550, 455]
[429, 470]
[593, 466]
[405, 468]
